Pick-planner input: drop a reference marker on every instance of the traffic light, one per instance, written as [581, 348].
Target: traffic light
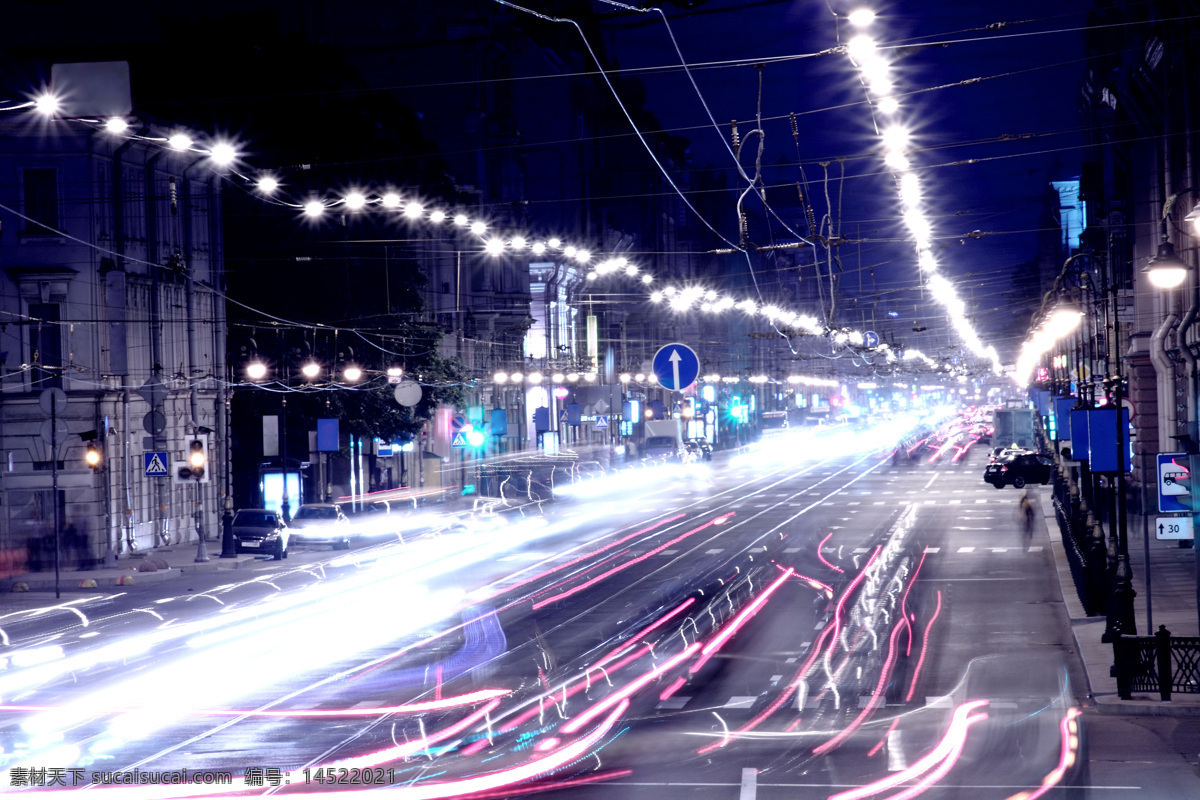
[196, 466]
[92, 456]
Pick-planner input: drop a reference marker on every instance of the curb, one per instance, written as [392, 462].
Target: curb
[75, 581]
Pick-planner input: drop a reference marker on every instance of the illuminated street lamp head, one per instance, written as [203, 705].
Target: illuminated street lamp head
[222, 154]
[116, 125]
[862, 17]
[1166, 270]
[92, 456]
[314, 208]
[256, 370]
[1064, 319]
[352, 374]
[46, 104]
[267, 184]
[1193, 217]
[311, 370]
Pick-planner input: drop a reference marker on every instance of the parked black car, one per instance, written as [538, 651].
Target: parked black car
[259, 530]
[1018, 469]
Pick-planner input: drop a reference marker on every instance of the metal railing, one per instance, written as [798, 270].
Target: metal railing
[1160, 663]
[1084, 546]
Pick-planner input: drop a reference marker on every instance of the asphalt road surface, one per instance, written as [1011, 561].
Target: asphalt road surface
[804, 620]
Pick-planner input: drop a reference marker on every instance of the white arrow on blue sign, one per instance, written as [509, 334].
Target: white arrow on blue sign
[871, 339]
[676, 366]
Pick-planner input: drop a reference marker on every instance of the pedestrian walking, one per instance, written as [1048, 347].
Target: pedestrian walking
[1026, 515]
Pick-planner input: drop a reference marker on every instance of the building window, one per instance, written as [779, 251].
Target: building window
[40, 187]
[45, 346]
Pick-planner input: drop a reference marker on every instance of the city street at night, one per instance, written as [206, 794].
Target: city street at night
[714, 399]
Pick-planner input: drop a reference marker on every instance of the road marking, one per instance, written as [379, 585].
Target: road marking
[741, 701]
[966, 549]
[956, 502]
[794, 549]
[776, 678]
[858, 551]
[673, 552]
[935, 477]
[674, 703]
[894, 492]
[1005, 549]
[750, 779]
[981, 502]
[933, 549]
[722, 549]
[895, 752]
[931, 502]
[791, 660]
[1037, 548]
[880, 502]
[856, 503]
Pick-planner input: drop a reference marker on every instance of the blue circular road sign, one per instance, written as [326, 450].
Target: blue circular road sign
[676, 366]
[871, 339]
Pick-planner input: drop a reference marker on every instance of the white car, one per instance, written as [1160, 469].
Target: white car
[321, 523]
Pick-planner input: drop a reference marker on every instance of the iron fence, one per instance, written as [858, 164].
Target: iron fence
[1160, 663]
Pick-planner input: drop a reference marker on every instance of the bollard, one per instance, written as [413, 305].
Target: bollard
[1162, 646]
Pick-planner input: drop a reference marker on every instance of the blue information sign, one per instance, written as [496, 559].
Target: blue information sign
[1173, 483]
[676, 366]
[871, 339]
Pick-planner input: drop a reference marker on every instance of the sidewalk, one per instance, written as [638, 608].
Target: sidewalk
[1173, 593]
[136, 569]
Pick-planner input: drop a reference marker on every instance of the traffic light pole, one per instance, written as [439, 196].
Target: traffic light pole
[201, 548]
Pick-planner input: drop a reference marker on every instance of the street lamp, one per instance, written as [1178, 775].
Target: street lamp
[1166, 270]
[1193, 217]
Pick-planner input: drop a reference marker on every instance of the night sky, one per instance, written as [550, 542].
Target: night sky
[263, 70]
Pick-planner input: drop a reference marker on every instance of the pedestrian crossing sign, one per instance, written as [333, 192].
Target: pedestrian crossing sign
[460, 440]
[601, 422]
[156, 464]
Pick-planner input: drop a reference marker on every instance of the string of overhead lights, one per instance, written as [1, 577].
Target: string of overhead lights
[269, 187]
[875, 74]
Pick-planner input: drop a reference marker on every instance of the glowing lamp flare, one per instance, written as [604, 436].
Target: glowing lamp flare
[222, 154]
